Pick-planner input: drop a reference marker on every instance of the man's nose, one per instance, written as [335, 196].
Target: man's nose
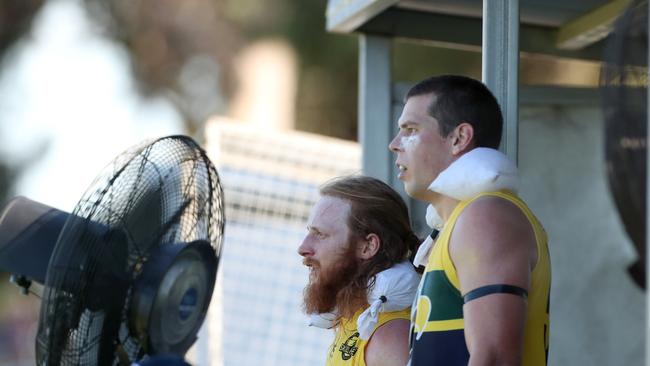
[394, 145]
[305, 249]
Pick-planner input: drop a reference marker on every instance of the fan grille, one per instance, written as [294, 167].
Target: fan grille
[624, 80]
[161, 192]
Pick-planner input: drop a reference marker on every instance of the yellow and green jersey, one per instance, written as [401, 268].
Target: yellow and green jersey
[348, 349]
[437, 323]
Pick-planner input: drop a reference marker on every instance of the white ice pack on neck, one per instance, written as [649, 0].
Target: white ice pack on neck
[393, 290]
[477, 171]
[322, 320]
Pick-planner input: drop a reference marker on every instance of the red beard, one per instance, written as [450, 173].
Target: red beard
[327, 284]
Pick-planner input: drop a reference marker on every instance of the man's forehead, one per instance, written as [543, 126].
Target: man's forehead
[328, 210]
[416, 108]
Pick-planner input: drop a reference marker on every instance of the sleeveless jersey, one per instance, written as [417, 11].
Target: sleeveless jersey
[437, 326]
[348, 349]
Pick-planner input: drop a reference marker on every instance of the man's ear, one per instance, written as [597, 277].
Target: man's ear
[369, 246]
[462, 139]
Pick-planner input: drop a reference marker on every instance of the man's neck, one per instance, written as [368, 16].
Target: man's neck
[444, 205]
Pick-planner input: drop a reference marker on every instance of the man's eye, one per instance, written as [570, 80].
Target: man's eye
[408, 130]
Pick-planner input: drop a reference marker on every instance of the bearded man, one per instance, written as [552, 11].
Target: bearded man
[357, 246]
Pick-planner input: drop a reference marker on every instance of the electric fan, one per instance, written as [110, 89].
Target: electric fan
[132, 269]
[624, 79]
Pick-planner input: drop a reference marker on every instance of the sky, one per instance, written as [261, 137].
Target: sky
[67, 99]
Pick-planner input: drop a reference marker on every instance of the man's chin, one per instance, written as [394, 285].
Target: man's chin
[315, 276]
[417, 192]
[317, 299]
[412, 191]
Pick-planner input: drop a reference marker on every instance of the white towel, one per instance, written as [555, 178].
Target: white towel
[394, 289]
[323, 320]
[479, 170]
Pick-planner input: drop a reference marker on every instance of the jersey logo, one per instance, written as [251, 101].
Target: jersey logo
[421, 315]
[349, 347]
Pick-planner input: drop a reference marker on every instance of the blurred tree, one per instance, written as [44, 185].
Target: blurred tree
[327, 73]
[185, 50]
[15, 21]
[182, 49]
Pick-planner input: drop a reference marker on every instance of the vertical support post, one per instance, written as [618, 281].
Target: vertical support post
[647, 221]
[375, 118]
[500, 61]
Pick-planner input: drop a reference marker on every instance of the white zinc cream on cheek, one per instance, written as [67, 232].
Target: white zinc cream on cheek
[408, 142]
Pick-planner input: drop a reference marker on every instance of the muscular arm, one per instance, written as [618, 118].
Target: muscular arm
[493, 243]
[388, 346]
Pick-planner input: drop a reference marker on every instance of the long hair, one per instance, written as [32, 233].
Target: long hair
[374, 208]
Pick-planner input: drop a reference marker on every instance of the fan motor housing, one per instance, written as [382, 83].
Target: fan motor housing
[171, 296]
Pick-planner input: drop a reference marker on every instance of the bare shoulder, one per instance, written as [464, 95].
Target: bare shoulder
[494, 211]
[495, 221]
[388, 346]
[492, 233]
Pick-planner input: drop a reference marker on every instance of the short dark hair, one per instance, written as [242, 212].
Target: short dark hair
[458, 99]
[374, 208]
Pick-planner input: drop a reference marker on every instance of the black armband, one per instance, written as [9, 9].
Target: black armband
[494, 289]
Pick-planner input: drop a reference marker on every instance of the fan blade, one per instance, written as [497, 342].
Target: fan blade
[28, 232]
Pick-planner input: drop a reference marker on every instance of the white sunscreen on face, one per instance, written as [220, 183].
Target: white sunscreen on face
[408, 141]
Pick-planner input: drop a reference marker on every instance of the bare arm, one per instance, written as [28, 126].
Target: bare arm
[389, 346]
[493, 243]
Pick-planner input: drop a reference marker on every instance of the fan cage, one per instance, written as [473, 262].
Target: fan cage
[623, 83]
[164, 191]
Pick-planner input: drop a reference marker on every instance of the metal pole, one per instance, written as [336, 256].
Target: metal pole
[375, 117]
[647, 224]
[500, 58]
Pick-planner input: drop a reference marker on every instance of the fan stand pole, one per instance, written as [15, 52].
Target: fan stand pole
[647, 223]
